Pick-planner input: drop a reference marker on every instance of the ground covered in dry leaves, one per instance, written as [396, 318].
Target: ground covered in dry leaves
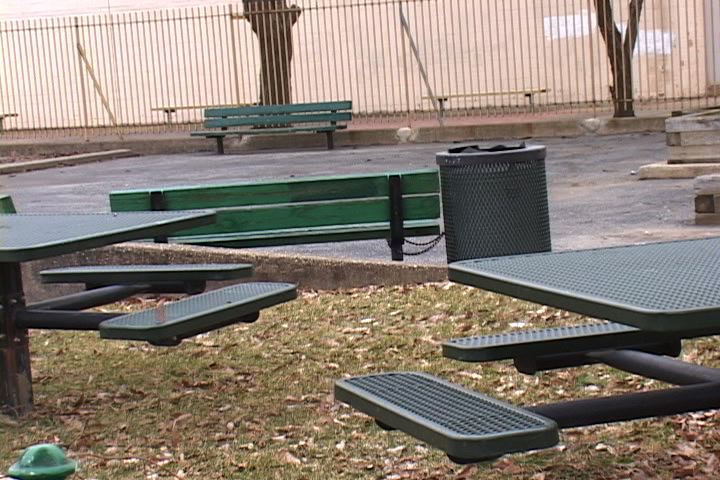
[255, 401]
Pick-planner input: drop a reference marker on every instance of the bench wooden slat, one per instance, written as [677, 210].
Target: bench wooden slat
[260, 120]
[299, 236]
[264, 131]
[279, 109]
[315, 214]
[307, 189]
[170, 323]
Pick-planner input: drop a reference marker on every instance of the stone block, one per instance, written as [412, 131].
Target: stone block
[706, 120]
[707, 204]
[710, 137]
[707, 184]
[661, 170]
[707, 218]
[694, 154]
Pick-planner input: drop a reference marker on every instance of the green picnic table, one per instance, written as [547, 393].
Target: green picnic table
[649, 297]
[26, 237]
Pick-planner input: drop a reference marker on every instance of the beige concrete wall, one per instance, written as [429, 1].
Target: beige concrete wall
[205, 56]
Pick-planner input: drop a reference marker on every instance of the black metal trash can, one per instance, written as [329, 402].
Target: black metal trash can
[494, 201]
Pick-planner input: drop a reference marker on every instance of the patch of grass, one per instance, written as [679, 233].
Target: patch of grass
[255, 401]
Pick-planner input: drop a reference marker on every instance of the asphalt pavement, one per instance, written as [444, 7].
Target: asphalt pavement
[595, 197]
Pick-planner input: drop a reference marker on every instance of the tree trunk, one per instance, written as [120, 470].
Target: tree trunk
[272, 22]
[620, 52]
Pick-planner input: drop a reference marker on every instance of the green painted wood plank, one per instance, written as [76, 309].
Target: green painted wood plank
[279, 109]
[272, 192]
[265, 131]
[278, 119]
[298, 236]
[6, 204]
[314, 214]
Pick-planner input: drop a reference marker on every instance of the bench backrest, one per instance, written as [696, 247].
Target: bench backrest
[6, 204]
[295, 203]
[260, 115]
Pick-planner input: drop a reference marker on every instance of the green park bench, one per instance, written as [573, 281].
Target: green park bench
[324, 117]
[444, 98]
[302, 210]
[6, 204]
[3, 116]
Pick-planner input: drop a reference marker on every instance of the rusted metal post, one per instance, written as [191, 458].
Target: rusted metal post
[15, 378]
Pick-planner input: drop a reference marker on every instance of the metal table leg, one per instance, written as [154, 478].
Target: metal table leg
[16, 395]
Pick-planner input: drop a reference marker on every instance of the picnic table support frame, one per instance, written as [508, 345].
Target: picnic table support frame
[658, 367]
[63, 320]
[90, 298]
[16, 396]
[632, 406]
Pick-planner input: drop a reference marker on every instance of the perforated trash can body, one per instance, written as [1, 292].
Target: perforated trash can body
[494, 201]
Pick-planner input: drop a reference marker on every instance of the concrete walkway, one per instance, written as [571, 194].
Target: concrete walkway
[595, 200]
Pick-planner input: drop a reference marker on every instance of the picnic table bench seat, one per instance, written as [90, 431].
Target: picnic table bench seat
[468, 426]
[170, 323]
[320, 117]
[392, 205]
[94, 276]
[560, 347]
[189, 278]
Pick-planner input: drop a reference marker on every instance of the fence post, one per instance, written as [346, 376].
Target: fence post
[437, 105]
[233, 46]
[81, 78]
[405, 70]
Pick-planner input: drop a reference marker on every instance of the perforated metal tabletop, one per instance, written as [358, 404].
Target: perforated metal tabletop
[29, 237]
[669, 286]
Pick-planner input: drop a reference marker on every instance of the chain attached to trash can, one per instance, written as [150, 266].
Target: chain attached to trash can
[429, 245]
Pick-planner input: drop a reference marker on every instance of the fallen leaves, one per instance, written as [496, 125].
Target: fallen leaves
[256, 401]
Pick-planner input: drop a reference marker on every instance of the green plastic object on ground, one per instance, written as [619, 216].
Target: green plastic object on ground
[43, 462]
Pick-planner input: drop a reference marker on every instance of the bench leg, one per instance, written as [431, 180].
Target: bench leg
[330, 143]
[397, 235]
[220, 146]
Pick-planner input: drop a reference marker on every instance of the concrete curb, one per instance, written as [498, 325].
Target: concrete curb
[308, 272]
[66, 161]
[183, 143]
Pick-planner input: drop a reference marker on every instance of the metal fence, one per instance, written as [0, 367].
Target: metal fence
[399, 61]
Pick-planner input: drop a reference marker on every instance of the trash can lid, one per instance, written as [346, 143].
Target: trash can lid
[473, 154]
